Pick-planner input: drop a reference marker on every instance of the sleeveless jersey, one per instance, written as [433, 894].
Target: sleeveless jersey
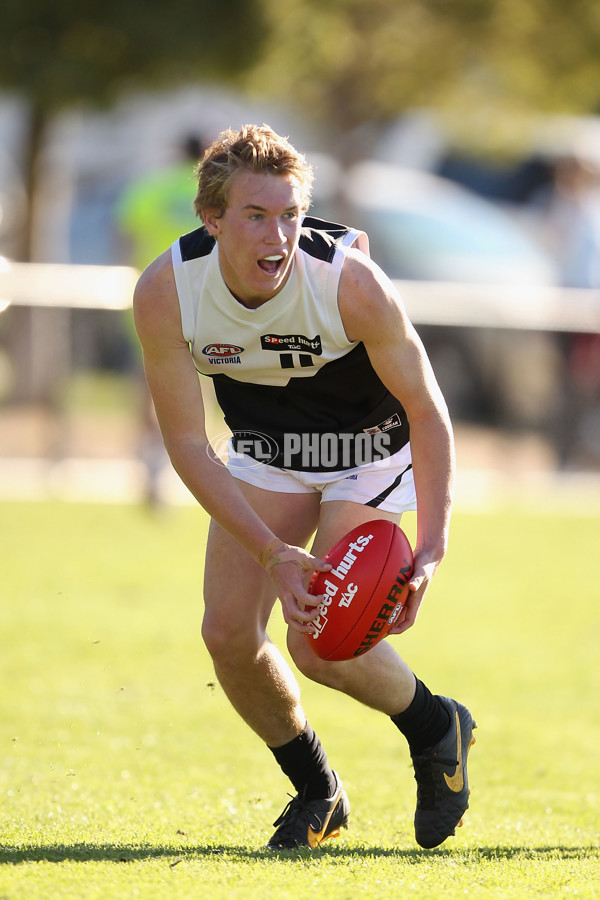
[294, 391]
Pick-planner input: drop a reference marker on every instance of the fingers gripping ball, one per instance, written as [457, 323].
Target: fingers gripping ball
[365, 590]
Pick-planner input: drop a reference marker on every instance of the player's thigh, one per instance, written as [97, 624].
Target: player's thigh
[337, 517]
[238, 593]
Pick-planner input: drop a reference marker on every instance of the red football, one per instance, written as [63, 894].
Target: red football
[364, 592]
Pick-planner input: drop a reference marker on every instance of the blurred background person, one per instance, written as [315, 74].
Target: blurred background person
[156, 208]
[571, 209]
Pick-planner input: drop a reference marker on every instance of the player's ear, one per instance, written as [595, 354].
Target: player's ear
[212, 220]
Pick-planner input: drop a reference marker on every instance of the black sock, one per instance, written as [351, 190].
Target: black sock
[424, 722]
[304, 761]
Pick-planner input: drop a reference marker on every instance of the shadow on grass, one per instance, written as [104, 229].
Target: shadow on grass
[125, 853]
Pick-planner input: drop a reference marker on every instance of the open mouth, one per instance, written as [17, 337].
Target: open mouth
[271, 264]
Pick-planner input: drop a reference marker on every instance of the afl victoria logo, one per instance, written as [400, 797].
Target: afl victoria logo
[222, 350]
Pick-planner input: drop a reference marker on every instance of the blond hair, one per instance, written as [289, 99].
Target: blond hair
[256, 148]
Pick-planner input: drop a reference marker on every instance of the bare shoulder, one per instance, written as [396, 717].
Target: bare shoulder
[155, 304]
[369, 304]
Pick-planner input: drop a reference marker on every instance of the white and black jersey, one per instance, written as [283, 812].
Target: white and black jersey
[287, 367]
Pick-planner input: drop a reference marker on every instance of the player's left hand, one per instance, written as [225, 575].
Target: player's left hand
[424, 568]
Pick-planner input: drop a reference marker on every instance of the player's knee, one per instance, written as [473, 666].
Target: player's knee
[228, 642]
[309, 663]
[218, 636]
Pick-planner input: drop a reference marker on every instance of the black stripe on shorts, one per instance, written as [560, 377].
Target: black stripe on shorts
[378, 500]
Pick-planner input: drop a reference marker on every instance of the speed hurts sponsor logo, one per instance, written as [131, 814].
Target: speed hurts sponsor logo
[298, 342]
[331, 589]
[350, 556]
[223, 354]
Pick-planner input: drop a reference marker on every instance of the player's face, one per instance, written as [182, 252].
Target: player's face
[257, 235]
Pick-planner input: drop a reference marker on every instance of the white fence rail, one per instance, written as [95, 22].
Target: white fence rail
[68, 286]
[530, 307]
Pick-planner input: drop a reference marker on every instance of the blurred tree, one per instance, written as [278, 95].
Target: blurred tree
[57, 53]
[60, 53]
[352, 63]
[359, 63]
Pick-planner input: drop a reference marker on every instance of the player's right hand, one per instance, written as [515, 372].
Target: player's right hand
[290, 569]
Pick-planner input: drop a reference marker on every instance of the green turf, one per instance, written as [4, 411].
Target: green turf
[125, 774]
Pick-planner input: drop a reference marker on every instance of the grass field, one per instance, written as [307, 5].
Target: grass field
[125, 774]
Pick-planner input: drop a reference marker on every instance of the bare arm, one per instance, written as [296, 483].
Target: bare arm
[177, 397]
[373, 313]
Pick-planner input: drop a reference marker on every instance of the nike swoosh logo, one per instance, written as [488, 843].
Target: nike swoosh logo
[456, 782]
[316, 837]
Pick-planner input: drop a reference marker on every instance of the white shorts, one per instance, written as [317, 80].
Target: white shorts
[385, 484]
